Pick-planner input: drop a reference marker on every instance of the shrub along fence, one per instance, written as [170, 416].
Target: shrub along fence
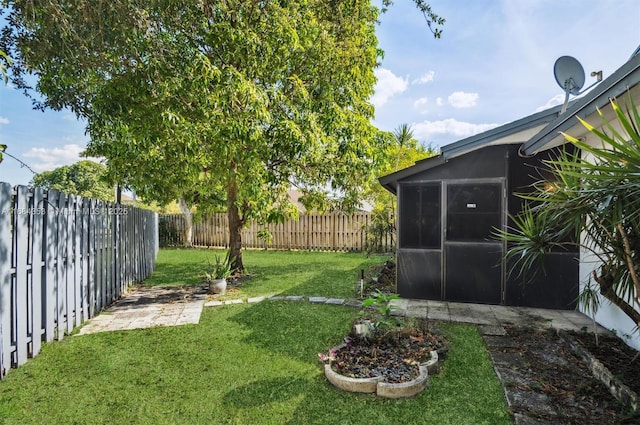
[62, 259]
[322, 232]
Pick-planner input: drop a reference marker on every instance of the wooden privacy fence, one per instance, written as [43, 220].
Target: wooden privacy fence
[322, 232]
[62, 259]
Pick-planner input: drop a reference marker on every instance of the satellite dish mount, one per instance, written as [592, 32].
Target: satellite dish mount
[570, 77]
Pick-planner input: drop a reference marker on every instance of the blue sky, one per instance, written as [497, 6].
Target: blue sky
[493, 65]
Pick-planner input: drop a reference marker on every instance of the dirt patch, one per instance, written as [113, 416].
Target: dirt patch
[382, 278]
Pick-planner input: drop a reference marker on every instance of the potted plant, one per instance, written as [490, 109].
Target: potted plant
[217, 274]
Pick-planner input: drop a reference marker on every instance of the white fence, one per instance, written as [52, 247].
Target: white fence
[62, 259]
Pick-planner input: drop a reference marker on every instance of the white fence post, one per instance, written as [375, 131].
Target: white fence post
[37, 267]
[6, 205]
[21, 229]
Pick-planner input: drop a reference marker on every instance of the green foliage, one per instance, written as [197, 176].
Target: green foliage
[590, 302]
[85, 178]
[4, 63]
[2, 149]
[596, 195]
[221, 269]
[432, 19]
[223, 104]
[382, 302]
[381, 230]
[529, 239]
[266, 236]
[401, 150]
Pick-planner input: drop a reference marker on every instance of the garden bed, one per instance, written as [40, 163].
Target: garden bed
[546, 368]
[392, 361]
[615, 363]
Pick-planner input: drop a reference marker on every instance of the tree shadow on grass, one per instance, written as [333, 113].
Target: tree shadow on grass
[297, 330]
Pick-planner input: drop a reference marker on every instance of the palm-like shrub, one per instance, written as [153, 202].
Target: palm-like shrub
[592, 197]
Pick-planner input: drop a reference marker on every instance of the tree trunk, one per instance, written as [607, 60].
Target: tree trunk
[610, 294]
[235, 227]
[188, 222]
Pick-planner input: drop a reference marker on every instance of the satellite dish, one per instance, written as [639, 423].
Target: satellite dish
[569, 76]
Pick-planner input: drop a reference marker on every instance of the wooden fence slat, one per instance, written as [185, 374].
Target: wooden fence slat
[61, 293]
[77, 261]
[331, 231]
[51, 278]
[83, 257]
[97, 228]
[69, 264]
[116, 252]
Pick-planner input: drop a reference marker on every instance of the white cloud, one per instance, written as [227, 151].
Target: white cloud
[425, 78]
[387, 86]
[554, 101]
[4, 120]
[46, 159]
[427, 129]
[420, 103]
[439, 101]
[460, 99]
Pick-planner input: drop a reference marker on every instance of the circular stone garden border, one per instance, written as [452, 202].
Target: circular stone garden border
[380, 387]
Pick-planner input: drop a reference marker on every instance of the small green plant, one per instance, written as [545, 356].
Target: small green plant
[590, 302]
[221, 269]
[382, 302]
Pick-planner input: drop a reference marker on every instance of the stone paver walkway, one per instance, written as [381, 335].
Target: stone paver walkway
[492, 315]
[147, 307]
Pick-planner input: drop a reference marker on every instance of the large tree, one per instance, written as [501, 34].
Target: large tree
[229, 102]
[85, 178]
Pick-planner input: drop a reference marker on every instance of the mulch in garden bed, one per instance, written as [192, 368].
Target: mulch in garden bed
[393, 354]
[382, 278]
[550, 369]
[619, 358]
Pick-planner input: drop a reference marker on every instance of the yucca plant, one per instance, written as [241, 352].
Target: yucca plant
[595, 194]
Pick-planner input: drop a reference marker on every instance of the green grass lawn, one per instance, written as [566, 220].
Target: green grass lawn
[242, 364]
[329, 274]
